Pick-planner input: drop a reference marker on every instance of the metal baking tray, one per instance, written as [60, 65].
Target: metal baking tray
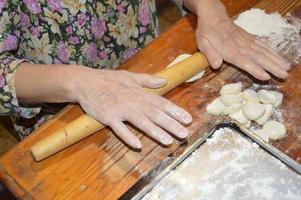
[149, 181]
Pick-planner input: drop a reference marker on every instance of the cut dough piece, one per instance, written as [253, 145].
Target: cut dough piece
[247, 124]
[181, 58]
[267, 114]
[274, 129]
[253, 110]
[230, 99]
[279, 98]
[240, 117]
[232, 88]
[270, 97]
[216, 107]
[262, 134]
[232, 109]
[250, 95]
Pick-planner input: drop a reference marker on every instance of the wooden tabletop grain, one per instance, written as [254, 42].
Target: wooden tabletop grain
[101, 166]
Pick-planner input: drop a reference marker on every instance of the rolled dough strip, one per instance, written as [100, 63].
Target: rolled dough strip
[240, 117]
[270, 97]
[232, 109]
[183, 57]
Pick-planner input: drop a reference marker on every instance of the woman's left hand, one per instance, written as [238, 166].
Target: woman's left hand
[223, 40]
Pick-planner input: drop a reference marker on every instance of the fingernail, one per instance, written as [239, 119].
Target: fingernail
[160, 82]
[217, 63]
[186, 118]
[136, 143]
[166, 140]
[266, 76]
[183, 133]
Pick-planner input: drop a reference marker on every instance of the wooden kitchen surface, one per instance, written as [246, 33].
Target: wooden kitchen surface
[102, 167]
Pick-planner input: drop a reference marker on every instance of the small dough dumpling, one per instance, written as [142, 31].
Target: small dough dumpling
[253, 110]
[181, 58]
[270, 97]
[232, 109]
[240, 117]
[232, 88]
[230, 99]
[250, 95]
[267, 114]
[279, 99]
[216, 107]
[262, 134]
[274, 129]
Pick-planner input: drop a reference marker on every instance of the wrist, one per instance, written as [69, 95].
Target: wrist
[210, 12]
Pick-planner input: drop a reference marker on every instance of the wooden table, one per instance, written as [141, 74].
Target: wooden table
[102, 167]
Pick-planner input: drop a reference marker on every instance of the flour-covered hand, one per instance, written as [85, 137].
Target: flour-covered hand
[114, 97]
[223, 40]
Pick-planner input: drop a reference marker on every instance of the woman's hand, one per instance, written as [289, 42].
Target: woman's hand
[220, 39]
[113, 97]
[223, 40]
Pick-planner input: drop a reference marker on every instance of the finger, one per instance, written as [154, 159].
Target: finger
[264, 62]
[245, 63]
[266, 48]
[164, 121]
[214, 58]
[170, 108]
[144, 124]
[126, 135]
[284, 64]
[278, 61]
[149, 81]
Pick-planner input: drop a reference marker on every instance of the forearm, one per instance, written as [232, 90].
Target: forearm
[207, 10]
[44, 83]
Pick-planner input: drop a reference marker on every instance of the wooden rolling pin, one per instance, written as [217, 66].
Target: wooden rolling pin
[85, 125]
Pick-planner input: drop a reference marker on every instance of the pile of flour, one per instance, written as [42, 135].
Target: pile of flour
[282, 34]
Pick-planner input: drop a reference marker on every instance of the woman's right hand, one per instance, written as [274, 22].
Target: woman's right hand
[113, 97]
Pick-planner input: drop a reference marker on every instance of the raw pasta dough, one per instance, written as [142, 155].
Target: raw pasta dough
[274, 129]
[247, 106]
[183, 57]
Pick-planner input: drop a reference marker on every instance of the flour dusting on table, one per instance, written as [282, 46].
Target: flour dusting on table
[228, 167]
[282, 34]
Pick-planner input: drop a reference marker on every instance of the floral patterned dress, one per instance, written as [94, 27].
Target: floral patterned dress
[94, 33]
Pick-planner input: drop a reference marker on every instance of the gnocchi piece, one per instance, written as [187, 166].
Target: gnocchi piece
[216, 107]
[274, 129]
[250, 95]
[253, 110]
[232, 88]
[267, 114]
[230, 99]
[232, 109]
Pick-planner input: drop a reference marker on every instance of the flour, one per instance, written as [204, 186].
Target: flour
[227, 167]
[282, 34]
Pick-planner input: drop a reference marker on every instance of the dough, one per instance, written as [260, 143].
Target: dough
[230, 99]
[232, 88]
[267, 114]
[232, 109]
[250, 95]
[183, 57]
[253, 110]
[240, 117]
[262, 134]
[274, 129]
[216, 107]
[270, 97]
[279, 99]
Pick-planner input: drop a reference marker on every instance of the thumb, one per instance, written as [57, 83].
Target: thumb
[214, 58]
[150, 81]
